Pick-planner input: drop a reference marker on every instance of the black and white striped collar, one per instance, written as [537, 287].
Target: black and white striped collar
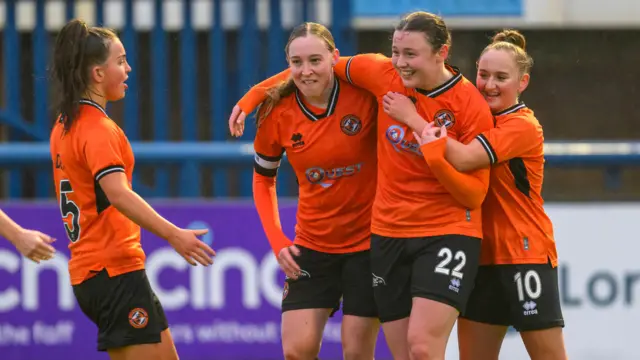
[511, 109]
[457, 76]
[92, 103]
[333, 101]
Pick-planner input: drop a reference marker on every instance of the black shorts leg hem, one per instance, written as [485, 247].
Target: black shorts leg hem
[541, 326]
[367, 314]
[129, 342]
[483, 320]
[310, 306]
[440, 299]
[393, 317]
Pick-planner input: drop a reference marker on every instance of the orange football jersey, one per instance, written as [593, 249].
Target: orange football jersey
[100, 236]
[333, 154]
[516, 228]
[410, 201]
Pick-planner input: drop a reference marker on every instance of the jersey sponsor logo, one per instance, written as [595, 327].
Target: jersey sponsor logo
[445, 118]
[138, 318]
[350, 125]
[395, 135]
[326, 178]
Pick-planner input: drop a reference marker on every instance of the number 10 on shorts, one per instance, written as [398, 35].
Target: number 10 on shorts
[531, 285]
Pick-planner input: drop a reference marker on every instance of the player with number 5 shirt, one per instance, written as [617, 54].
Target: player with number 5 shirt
[92, 172]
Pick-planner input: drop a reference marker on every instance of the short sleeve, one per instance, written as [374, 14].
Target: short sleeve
[511, 139]
[477, 119]
[103, 148]
[372, 72]
[267, 147]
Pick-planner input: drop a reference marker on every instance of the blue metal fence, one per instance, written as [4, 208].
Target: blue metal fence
[611, 157]
[233, 59]
[227, 80]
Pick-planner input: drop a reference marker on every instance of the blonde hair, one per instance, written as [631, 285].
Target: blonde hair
[286, 88]
[512, 41]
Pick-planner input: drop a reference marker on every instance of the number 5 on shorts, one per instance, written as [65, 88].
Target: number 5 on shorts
[447, 254]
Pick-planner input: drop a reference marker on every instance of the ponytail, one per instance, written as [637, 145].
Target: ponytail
[77, 48]
[274, 95]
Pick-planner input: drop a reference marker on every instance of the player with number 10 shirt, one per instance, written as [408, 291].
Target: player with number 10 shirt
[517, 282]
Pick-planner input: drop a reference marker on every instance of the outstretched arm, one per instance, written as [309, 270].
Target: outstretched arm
[258, 93]
[371, 72]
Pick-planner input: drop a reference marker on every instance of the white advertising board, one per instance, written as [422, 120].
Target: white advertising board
[599, 253]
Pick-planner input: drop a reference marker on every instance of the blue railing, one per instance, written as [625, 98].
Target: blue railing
[236, 59]
[238, 53]
[191, 157]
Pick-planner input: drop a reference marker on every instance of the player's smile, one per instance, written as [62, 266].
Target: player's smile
[491, 96]
[406, 73]
[309, 82]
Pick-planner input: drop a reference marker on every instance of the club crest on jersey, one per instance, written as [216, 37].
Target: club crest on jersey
[326, 178]
[350, 125]
[396, 136]
[445, 118]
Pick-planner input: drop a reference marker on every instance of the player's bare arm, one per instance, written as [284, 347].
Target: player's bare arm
[32, 244]
[184, 241]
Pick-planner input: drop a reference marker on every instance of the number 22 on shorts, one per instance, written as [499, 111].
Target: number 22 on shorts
[447, 254]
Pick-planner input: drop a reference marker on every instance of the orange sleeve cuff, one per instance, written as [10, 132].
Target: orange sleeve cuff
[266, 200]
[468, 189]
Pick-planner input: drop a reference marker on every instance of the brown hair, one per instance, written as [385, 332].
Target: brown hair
[514, 42]
[432, 25]
[77, 48]
[287, 88]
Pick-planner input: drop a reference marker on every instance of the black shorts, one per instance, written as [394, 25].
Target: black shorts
[328, 278]
[125, 309]
[525, 296]
[439, 268]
